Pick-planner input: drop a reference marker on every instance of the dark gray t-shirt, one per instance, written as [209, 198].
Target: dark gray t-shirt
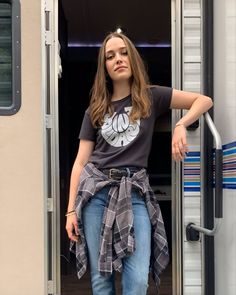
[119, 142]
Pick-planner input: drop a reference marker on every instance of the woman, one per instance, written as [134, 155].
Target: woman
[113, 216]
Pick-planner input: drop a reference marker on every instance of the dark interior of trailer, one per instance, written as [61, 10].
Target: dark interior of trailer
[82, 27]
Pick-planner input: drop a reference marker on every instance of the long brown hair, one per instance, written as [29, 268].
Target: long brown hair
[100, 102]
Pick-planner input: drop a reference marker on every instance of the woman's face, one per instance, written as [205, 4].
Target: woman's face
[117, 60]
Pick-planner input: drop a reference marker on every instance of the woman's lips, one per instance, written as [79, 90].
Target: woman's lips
[120, 68]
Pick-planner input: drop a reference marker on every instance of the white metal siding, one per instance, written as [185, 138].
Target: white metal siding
[192, 251]
[225, 120]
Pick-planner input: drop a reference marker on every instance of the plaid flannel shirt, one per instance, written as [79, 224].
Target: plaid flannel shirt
[118, 214]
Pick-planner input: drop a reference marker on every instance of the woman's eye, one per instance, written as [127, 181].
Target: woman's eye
[109, 57]
[124, 52]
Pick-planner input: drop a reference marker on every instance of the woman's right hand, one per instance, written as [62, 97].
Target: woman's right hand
[72, 228]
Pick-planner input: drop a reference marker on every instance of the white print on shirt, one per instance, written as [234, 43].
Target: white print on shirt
[118, 130]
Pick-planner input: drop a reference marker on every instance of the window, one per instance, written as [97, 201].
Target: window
[10, 86]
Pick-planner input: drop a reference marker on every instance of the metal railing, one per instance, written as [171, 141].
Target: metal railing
[192, 230]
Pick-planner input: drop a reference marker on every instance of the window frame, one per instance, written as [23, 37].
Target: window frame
[16, 59]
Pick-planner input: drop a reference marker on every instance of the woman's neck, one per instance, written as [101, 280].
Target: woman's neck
[121, 89]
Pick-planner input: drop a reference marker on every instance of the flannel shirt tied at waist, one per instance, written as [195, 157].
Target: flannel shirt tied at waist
[115, 245]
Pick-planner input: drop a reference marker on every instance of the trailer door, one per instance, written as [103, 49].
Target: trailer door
[192, 59]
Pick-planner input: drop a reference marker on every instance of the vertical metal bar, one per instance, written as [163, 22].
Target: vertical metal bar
[44, 95]
[56, 184]
[176, 6]
[202, 152]
[207, 155]
[48, 151]
[51, 152]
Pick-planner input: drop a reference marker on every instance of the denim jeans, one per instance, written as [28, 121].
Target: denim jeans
[135, 267]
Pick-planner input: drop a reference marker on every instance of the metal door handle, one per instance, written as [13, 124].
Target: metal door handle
[192, 230]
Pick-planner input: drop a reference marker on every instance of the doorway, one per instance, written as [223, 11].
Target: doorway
[79, 58]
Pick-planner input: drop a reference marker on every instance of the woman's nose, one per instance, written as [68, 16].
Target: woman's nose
[118, 57]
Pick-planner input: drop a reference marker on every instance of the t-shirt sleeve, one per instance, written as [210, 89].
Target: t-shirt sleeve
[87, 131]
[161, 99]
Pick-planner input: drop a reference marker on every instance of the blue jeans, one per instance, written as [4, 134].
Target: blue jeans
[135, 267]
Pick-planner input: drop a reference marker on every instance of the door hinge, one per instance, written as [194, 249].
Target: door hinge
[48, 37]
[50, 205]
[48, 121]
[50, 287]
[48, 5]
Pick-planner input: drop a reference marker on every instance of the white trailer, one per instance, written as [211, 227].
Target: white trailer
[36, 151]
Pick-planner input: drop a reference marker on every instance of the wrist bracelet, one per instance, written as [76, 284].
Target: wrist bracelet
[179, 124]
[70, 212]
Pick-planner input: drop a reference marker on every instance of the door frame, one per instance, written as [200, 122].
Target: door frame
[50, 65]
[50, 72]
[176, 177]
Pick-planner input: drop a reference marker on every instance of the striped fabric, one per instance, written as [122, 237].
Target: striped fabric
[114, 244]
[192, 170]
[192, 173]
[229, 165]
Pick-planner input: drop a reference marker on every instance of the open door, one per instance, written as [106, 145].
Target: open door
[79, 67]
[188, 71]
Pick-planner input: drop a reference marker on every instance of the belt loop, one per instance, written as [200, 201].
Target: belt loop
[128, 172]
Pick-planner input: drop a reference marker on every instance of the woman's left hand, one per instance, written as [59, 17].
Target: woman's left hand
[179, 143]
